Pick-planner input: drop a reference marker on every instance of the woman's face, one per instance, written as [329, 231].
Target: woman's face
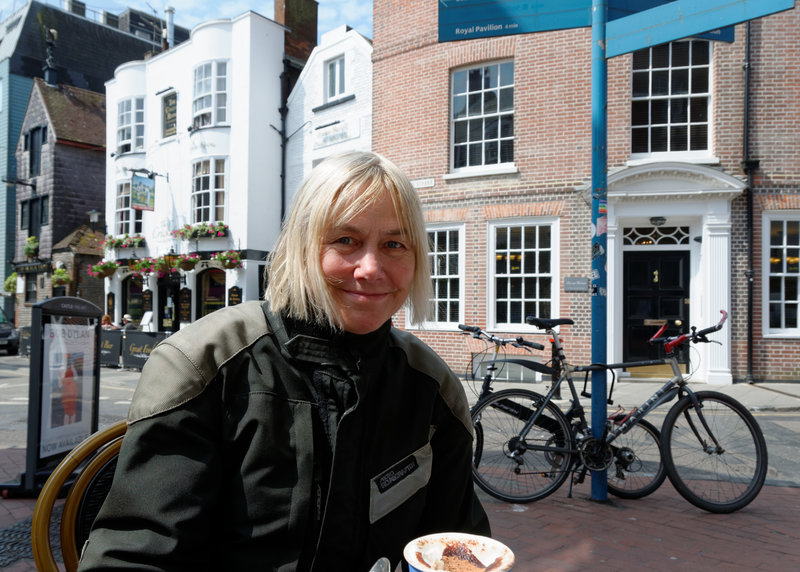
[369, 267]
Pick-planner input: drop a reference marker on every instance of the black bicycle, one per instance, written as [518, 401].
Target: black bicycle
[710, 447]
[637, 470]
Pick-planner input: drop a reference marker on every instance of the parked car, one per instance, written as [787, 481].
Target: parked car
[9, 335]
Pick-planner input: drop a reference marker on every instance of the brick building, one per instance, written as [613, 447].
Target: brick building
[61, 150]
[703, 180]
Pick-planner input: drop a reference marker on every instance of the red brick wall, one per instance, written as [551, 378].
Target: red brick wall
[552, 103]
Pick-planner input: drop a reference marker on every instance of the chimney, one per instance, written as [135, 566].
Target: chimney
[170, 27]
[300, 16]
[49, 67]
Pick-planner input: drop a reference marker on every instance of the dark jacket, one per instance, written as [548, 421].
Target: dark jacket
[255, 443]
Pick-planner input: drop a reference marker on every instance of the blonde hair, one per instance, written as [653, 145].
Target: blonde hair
[336, 191]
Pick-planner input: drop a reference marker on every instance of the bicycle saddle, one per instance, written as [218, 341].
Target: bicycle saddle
[548, 323]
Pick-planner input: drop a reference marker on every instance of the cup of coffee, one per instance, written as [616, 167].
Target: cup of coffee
[457, 552]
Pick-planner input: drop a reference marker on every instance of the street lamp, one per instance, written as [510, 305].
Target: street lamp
[94, 217]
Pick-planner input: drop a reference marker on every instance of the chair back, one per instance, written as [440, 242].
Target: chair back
[92, 463]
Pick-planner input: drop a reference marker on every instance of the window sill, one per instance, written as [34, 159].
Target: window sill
[193, 130]
[788, 335]
[333, 103]
[506, 169]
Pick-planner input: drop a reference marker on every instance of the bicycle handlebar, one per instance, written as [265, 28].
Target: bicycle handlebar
[519, 341]
[694, 336]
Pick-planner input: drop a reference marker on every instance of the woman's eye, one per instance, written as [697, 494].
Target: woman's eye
[394, 244]
[344, 240]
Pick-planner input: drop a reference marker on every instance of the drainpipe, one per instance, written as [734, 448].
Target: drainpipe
[284, 111]
[748, 165]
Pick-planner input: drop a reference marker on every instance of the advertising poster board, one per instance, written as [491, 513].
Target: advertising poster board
[63, 386]
[67, 388]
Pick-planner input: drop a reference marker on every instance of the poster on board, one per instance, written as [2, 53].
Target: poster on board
[67, 387]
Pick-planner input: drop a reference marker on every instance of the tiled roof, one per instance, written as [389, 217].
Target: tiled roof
[82, 241]
[77, 115]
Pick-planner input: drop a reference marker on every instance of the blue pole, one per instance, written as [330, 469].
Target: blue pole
[599, 226]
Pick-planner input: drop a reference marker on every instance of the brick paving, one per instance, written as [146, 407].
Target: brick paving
[660, 532]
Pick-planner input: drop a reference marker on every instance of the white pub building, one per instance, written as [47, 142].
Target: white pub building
[194, 169]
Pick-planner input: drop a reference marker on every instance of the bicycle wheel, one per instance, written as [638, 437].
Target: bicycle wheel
[477, 444]
[637, 469]
[515, 469]
[715, 456]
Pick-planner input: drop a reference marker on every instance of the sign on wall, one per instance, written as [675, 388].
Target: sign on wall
[143, 193]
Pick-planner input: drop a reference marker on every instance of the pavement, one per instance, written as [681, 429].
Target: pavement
[571, 533]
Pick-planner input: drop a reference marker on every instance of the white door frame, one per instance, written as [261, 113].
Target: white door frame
[685, 194]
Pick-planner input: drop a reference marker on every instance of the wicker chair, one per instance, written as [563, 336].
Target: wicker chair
[92, 464]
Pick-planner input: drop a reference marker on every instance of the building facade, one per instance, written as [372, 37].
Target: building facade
[194, 171]
[703, 181]
[330, 107]
[61, 153]
[84, 48]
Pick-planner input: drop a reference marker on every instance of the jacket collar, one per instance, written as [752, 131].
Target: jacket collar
[320, 344]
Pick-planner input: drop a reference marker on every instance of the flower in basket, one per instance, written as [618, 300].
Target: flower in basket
[127, 241]
[31, 247]
[201, 230]
[103, 268]
[229, 258]
[188, 261]
[60, 276]
[142, 267]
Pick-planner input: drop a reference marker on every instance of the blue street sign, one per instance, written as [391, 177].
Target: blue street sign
[680, 19]
[471, 19]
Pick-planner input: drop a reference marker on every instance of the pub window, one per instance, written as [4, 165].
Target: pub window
[30, 288]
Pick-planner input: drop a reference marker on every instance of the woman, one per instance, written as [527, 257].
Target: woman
[106, 323]
[305, 432]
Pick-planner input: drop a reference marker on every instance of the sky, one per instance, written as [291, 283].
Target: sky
[188, 13]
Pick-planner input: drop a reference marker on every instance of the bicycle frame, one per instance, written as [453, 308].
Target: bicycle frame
[675, 387]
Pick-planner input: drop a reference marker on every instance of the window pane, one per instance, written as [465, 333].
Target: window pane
[661, 56]
[792, 232]
[506, 151]
[490, 102]
[659, 110]
[459, 82]
[459, 106]
[680, 54]
[490, 77]
[700, 53]
[678, 110]
[475, 79]
[507, 73]
[460, 132]
[680, 82]
[699, 137]
[507, 99]
[641, 59]
[659, 139]
[660, 83]
[678, 138]
[641, 84]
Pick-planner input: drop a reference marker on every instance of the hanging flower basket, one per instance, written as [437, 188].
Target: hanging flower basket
[142, 267]
[103, 269]
[229, 259]
[201, 230]
[60, 277]
[187, 262]
[127, 241]
[162, 265]
[31, 247]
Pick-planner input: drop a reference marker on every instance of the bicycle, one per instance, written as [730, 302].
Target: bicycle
[711, 447]
[638, 468]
